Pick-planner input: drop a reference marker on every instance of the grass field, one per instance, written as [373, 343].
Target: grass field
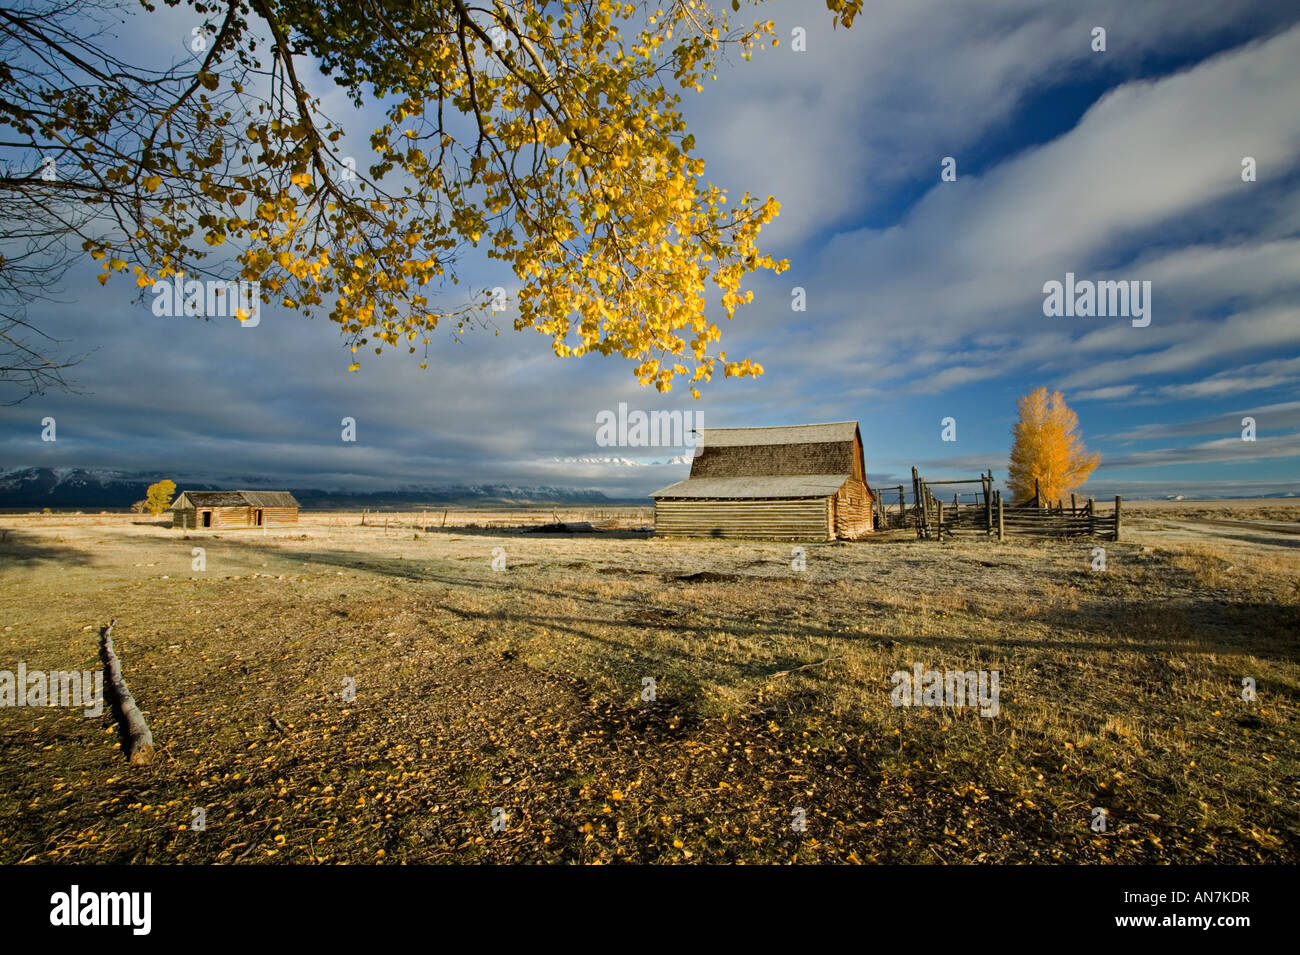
[522, 689]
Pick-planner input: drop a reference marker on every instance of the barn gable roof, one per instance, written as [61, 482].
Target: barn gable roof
[809, 460]
[188, 499]
[837, 431]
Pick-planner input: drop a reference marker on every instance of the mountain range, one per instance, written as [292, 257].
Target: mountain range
[99, 489]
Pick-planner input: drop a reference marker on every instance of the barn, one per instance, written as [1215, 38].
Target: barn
[200, 509]
[802, 482]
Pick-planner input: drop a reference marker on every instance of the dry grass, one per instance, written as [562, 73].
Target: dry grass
[521, 689]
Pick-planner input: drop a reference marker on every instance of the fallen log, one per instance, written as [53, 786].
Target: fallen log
[137, 740]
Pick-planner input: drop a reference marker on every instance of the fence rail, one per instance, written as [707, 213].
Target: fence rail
[986, 513]
[1082, 521]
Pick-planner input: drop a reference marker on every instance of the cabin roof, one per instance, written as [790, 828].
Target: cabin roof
[189, 499]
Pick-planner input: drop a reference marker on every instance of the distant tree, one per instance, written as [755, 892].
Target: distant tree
[1048, 448]
[159, 497]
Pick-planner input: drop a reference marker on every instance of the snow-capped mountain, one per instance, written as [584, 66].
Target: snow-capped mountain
[629, 462]
[92, 488]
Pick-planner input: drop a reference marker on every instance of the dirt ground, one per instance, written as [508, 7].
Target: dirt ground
[494, 690]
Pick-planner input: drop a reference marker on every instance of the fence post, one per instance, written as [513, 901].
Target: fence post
[1118, 500]
[1073, 506]
[939, 531]
[988, 503]
[1092, 518]
[1002, 531]
[919, 495]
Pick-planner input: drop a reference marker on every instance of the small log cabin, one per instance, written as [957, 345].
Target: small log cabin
[804, 482]
[205, 509]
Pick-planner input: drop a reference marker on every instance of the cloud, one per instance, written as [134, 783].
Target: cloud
[1149, 160]
[1257, 377]
[1109, 393]
[1271, 417]
[837, 131]
[1232, 449]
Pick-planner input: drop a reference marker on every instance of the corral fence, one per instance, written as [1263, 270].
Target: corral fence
[918, 508]
[1037, 517]
[891, 510]
[932, 517]
[983, 511]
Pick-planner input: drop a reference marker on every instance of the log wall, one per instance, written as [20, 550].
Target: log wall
[279, 516]
[241, 516]
[853, 510]
[770, 519]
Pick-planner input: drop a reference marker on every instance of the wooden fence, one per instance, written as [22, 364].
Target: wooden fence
[891, 510]
[1040, 519]
[984, 512]
[931, 517]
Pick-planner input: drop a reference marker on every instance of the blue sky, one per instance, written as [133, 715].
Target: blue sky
[924, 297]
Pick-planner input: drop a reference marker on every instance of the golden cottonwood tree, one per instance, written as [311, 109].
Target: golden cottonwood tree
[548, 133]
[158, 497]
[1047, 448]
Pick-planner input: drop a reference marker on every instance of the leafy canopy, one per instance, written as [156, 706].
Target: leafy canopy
[158, 497]
[1047, 447]
[550, 134]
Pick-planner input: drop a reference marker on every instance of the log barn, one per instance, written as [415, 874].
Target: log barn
[206, 509]
[801, 482]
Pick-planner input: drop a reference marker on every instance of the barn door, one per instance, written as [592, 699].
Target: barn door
[259, 517]
[207, 518]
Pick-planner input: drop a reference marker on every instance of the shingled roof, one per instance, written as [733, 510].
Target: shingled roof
[808, 460]
[189, 499]
[836, 431]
